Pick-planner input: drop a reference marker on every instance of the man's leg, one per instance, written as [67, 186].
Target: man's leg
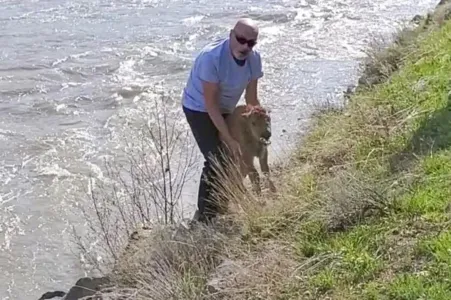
[207, 138]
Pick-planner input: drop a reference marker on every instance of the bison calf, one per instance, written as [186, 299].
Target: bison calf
[250, 126]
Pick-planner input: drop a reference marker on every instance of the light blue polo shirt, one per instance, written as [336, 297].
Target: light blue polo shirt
[215, 63]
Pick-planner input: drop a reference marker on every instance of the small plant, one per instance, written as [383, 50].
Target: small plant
[143, 190]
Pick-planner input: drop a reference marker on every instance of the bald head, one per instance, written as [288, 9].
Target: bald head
[243, 37]
[246, 26]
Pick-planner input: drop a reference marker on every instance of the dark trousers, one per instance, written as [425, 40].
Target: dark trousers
[207, 137]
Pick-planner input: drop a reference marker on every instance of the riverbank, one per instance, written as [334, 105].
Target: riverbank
[363, 206]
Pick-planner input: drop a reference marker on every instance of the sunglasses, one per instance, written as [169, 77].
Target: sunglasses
[242, 41]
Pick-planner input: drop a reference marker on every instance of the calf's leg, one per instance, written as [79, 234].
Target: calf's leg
[253, 174]
[263, 159]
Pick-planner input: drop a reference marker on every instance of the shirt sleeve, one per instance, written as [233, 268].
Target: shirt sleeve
[207, 69]
[256, 67]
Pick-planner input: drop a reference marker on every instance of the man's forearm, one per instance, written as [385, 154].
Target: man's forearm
[253, 101]
[212, 106]
[218, 120]
[251, 95]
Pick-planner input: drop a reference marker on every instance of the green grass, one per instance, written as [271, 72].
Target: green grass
[397, 136]
[432, 192]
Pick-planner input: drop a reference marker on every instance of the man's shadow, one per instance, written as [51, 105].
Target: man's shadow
[433, 135]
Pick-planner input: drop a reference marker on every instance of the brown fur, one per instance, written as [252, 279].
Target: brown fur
[246, 125]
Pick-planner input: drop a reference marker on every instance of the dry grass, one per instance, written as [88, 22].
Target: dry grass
[164, 266]
[176, 262]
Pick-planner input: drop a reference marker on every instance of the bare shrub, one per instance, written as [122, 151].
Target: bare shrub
[331, 104]
[385, 55]
[142, 188]
[348, 198]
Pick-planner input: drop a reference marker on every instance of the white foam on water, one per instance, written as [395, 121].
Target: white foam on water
[192, 20]
[10, 223]
[150, 51]
[54, 170]
[66, 85]
[270, 34]
[128, 78]
[70, 57]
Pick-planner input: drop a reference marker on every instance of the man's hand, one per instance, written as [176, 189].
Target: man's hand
[211, 103]
[234, 147]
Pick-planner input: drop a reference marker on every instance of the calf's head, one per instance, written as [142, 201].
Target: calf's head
[259, 123]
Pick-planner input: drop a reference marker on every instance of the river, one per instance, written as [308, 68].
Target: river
[71, 77]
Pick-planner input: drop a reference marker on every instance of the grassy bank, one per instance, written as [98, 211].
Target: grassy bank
[377, 180]
[364, 208]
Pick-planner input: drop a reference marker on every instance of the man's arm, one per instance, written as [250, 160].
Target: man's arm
[210, 84]
[212, 106]
[251, 95]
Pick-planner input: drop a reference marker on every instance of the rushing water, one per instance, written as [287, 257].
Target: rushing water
[70, 72]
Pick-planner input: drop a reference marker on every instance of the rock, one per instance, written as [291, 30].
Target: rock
[86, 286]
[223, 274]
[51, 295]
[137, 238]
[350, 90]
[417, 19]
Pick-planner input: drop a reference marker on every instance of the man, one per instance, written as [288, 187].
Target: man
[221, 72]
